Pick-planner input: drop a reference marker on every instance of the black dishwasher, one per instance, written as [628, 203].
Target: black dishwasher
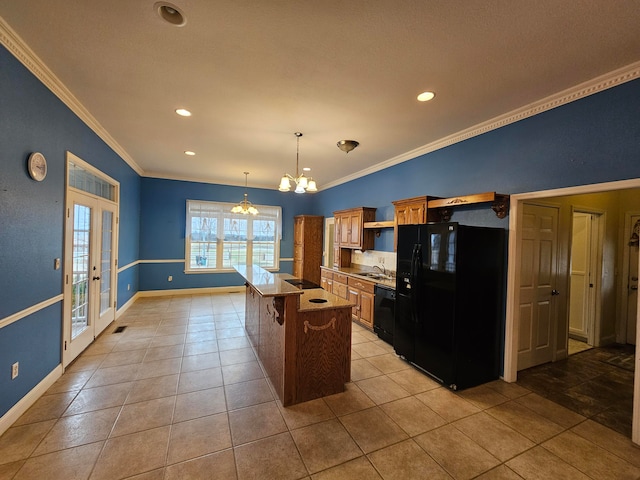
[383, 316]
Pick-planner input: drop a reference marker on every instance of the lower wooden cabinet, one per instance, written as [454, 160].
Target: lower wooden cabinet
[326, 280]
[362, 294]
[339, 287]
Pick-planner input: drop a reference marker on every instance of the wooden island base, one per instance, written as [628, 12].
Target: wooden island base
[301, 337]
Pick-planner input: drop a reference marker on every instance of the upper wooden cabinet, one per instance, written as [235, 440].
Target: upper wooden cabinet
[307, 247]
[349, 225]
[412, 211]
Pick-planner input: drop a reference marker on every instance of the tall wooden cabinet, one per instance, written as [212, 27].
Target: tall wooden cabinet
[307, 247]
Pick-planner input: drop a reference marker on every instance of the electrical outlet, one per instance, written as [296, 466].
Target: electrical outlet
[14, 370]
[170, 278]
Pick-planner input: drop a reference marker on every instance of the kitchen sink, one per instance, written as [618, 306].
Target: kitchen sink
[379, 276]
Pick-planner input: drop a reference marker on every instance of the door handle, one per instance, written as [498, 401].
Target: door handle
[633, 287]
[96, 278]
[555, 292]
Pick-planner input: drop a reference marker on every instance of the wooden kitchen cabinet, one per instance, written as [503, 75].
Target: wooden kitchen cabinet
[307, 247]
[339, 287]
[362, 294]
[412, 211]
[341, 257]
[349, 225]
[326, 280]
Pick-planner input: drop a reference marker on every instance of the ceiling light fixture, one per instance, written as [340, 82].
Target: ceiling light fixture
[245, 207]
[426, 96]
[347, 145]
[170, 14]
[189, 152]
[303, 184]
[183, 112]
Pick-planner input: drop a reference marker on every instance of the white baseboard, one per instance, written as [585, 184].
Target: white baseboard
[126, 306]
[29, 399]
[191, 291]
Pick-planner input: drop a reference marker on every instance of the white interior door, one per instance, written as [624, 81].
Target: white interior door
[90, 262]
[538, 276]
[584, 276]
[632, 283]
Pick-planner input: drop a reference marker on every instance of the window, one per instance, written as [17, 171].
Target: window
[217, 239]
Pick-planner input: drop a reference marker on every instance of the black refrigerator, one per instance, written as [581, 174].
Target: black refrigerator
[450, 282]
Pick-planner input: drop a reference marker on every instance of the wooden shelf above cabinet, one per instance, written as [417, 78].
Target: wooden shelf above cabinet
[499, 203]
[385, 224]
[377, 226]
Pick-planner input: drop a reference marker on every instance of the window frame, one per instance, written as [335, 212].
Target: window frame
[221, 211]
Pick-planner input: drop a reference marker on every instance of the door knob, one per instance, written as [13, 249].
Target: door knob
[555, 292]
[96, 278]
[633, 287]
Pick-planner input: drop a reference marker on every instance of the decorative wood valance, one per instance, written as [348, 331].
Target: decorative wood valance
[377, 226]
[499, 203]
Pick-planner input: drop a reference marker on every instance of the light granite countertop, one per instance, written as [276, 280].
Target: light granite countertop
[320, 299]
[275, 285]
[266, 283]
[386, 280]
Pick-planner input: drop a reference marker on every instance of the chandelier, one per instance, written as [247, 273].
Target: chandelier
[245, 207]
[303, 184]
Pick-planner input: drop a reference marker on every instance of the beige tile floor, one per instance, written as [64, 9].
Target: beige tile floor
[180, 395]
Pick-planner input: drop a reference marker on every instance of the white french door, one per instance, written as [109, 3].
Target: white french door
[90, 270]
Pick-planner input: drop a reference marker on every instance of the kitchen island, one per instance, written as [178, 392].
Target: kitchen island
[301, 337]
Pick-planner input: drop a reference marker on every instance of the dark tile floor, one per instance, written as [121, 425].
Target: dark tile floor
[596, 383]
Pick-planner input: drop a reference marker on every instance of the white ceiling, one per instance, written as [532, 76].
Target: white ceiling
[253, 73]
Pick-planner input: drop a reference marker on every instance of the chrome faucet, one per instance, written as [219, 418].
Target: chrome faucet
[381, 268]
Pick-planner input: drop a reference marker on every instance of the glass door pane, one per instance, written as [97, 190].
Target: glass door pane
[80, 269]
[106, 255]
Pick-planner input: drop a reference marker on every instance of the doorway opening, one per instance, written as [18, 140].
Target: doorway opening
[587, 230]
[610, 278]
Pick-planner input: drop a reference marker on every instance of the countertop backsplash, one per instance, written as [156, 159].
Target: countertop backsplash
[372, 258]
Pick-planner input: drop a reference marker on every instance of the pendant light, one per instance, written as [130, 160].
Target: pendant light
[245, 207]
[303, 184]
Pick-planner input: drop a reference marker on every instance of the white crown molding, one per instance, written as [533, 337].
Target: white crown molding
[29, 59]
[598, 84]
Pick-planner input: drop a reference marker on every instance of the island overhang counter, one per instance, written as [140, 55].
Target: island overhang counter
[301, 337]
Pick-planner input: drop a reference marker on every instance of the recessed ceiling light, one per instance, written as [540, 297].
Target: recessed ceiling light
[183, 112]
[426, 96]
[306, 169]
[170, 14]
[189, 152]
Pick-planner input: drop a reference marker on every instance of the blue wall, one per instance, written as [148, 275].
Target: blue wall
[163, 222]
[32, 221]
